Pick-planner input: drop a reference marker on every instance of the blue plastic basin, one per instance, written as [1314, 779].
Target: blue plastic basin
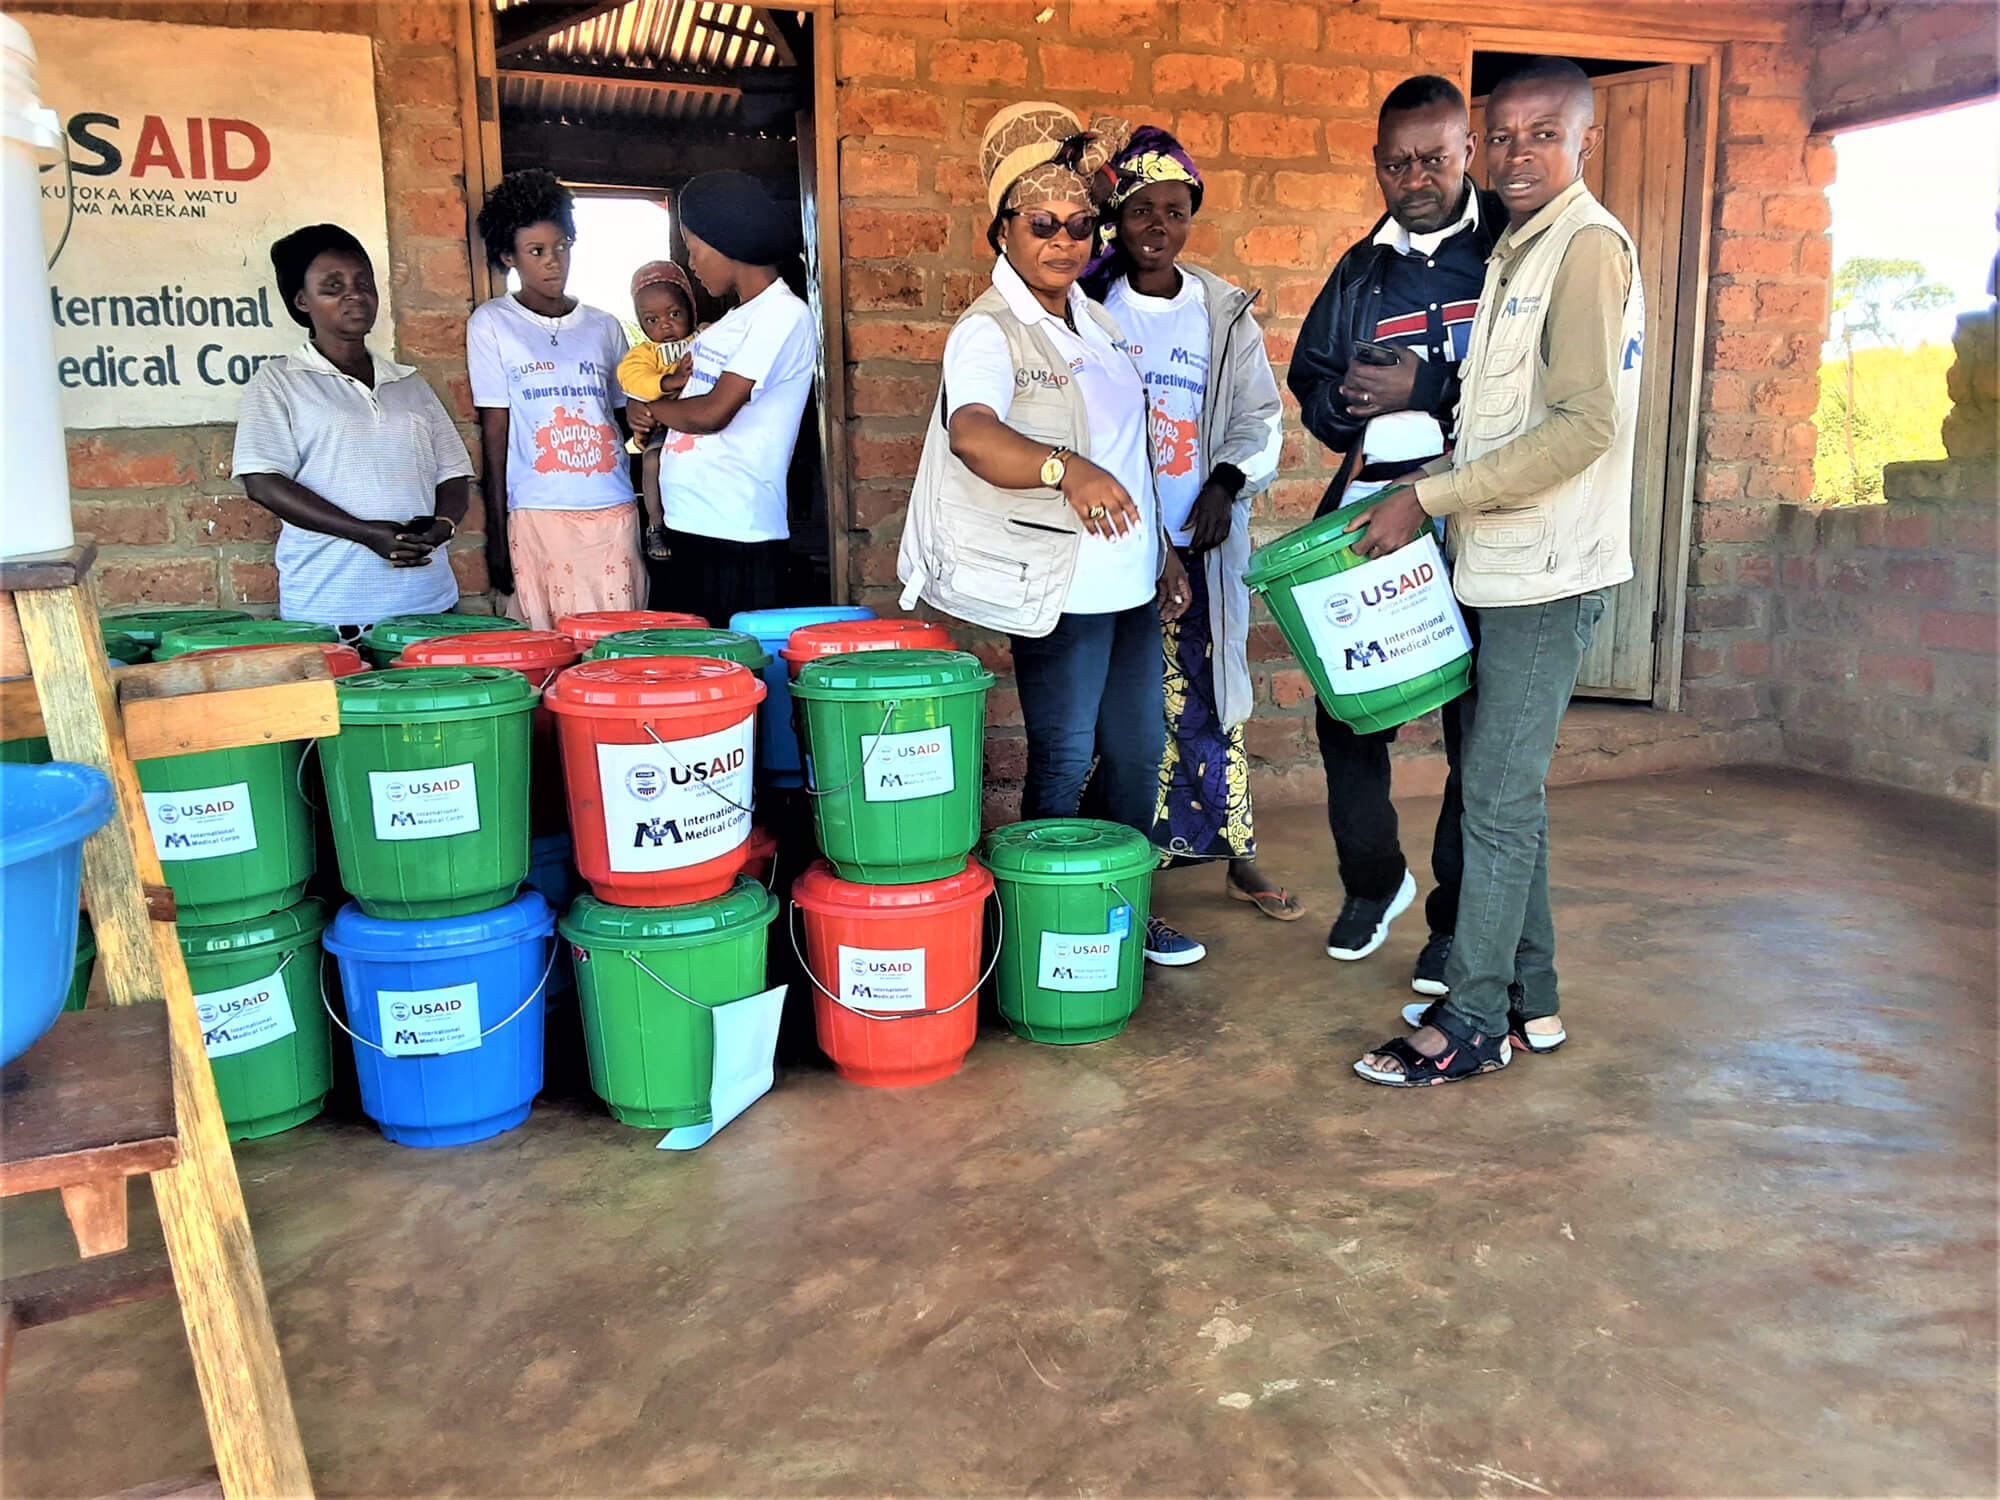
[777, 746]
[46, 812]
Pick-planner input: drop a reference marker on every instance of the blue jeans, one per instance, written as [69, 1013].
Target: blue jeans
[1503, 955]
[1093, 688]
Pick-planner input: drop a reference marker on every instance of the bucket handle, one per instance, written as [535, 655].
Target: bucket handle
[866, 755]
[69, 203]
[312, 747]
[999, 934]
[547, 968]
[640, 965]
[748, 812]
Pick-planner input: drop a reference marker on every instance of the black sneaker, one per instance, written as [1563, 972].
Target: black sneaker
[1363, 925]
[1429, 977]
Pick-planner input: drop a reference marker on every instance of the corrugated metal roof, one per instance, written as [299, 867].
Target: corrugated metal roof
[662, 34]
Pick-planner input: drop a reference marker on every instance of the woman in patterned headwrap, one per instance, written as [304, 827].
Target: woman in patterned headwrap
[1215, 414]
[1035, 380]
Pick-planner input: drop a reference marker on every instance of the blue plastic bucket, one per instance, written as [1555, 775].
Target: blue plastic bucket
[446, 1017]
[552, 872]
[777, 745]
[46, 812]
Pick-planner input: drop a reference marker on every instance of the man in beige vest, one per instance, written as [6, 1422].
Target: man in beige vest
[1536, 499]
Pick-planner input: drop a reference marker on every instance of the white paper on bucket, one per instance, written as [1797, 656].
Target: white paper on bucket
[882, 978]
[432, 804]
[429, 1023]
[1078, 963]
[203, 824]
[678, 804]
[1385, 622]
[746, 1046]
[905, 767]
[245, 1016]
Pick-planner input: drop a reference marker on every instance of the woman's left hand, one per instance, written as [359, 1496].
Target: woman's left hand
[1173, 591]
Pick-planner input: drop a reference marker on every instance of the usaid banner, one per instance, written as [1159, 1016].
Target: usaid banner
[192, 148]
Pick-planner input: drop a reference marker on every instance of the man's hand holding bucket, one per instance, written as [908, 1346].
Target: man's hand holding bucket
[1392, 522]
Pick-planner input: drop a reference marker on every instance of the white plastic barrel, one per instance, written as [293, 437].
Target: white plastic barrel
[34, 488]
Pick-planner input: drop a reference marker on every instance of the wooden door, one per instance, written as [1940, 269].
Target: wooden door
[1640, 174]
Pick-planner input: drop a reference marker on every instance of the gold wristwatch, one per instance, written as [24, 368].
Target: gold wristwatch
[1054, 467]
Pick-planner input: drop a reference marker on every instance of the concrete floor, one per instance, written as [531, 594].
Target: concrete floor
[1737, 1238]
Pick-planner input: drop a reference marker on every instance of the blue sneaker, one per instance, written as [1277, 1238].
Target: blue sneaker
[1166, 946]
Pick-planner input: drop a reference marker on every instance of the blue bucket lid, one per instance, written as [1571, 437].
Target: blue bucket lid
[774, 627]
[355, 934]
[44, 807]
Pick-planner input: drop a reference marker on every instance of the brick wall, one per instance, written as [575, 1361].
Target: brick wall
[1884, 652]
[1881, 59]
[172, 526]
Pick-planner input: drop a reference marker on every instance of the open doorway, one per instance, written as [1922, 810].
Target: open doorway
[1644, 175]
[625, 101]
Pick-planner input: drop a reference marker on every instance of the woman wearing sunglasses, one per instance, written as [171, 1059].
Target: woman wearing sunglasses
[1033, 510]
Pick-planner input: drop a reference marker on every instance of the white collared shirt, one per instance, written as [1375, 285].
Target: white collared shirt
[1397, 238]
[378, 453]
[979, 371]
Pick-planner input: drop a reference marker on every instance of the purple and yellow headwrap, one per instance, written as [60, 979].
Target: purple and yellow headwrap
[1152, 155]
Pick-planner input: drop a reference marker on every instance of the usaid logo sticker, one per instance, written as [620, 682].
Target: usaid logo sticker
[645, 782]
[395, 791]
[1341, 609]
[398, 1012]
[167, 813]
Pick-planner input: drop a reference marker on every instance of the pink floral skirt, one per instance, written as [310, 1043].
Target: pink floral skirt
[568, 561]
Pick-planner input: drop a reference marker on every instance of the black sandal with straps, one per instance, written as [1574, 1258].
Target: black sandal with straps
[1469, 1055]
[1426, 1014]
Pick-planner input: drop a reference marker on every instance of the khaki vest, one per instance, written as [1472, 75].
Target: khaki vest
[1576, 536]
[999, 558]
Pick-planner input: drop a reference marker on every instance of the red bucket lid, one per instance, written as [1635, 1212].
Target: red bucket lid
[341, 660]
[531, 652]
[820, 890]
[592, 626]
[626, 687]
[841, 637]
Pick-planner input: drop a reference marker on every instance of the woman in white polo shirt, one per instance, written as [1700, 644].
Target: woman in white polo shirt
[354, 453]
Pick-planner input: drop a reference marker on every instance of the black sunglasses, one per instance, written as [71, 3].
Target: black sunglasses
[1043, 226]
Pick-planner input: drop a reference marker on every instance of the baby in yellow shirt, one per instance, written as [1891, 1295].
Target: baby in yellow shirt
[657, 367]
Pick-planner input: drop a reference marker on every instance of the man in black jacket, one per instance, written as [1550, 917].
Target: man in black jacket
[1412, 286]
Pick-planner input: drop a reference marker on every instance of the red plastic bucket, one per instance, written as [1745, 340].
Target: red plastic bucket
[593, 625]
[843, 637]
[341, 661]
[760, 854]
[895, 972]
[537, 655]
[657, 758]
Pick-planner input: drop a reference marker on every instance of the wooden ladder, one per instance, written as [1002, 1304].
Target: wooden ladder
[111, 1093]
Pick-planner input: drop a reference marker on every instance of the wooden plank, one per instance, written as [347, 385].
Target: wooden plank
[251, 1424]
[91, 1099]
[13, 650]
[96, 1214]
[69, 1291]
[825, 186]
[1612, 27]
[62, 569]
[483, 168]
[219, 721]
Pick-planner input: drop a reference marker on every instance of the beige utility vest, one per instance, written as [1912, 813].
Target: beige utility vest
[1575, 536]
[1000, 558]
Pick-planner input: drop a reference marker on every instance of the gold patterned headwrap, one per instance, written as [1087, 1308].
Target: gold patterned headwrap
[1041, 153]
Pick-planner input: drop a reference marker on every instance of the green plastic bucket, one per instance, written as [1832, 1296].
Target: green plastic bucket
[232, 828]
[1074, 897]
[895, 746]
[256, 987]
[86, 960]
[226, 633]
[384, 641]
[648, 978]
[28, 750]
[146, 626]
[669, 640]
[1383, 640]
[128, 649]
[427, 788]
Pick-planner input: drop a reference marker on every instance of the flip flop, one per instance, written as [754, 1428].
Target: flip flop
[1279, 905]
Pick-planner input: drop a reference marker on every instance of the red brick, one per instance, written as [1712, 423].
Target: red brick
[211, 519]
[1850, 575]
[1274, 740]
[122, 523]
[875, 288]
[1310, 87]
[1974, 532]
[1733, 305]
[1775, 120]
[1930, 579]
[468, 565]
[958, 179]
[872, 456]
[1721, 612]
[874, 564]
[1897, 673]
[1750, 658]
[1003, 707]
[1758, 570]
[1762, 167]
[1279, 343]
[1739, 211]
[131, 459]
[1204, 241]
[1200, 132]
[1728, 438]
[1006, 758]
[1278, 23]
[431, 211]
[1201, 21]
[1722, 705]
[1290, 688]
[1289, 245]
[986, 63]
[962, 289]
[873, 504]
[1091, 70]
[868, 111]
[1960, 630]
[1296, 497]
[1698, 662]
[1221, 191]
[869, 172]
[1322, 191]
[1908, 531]
[1202, 74]
[890, 395]
[876, 339]
[252, 582]
[1889, 625]
[430, 335]
[1816, 257]
[1258, 133]
[1819, 161]
[424, 23]
[1798, 213]
[873, 54]
[1786, 398]
[1734, 523]
[1116, 18]
[1267, 643]
[445, 272]
[1744, 351]
[872, 233]
[1753, 255]
[1264, 78]
[1715, 482]
[1792, 303]
[1361, 36]
[995, 653]
[1766, 67]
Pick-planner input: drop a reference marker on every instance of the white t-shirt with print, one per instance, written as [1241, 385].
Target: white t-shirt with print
[1168, 341]
[558, 377]
[979, 371]
[731, 484]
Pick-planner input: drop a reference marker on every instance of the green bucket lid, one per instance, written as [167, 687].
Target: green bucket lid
[126, 648]
[405, 695]
[885, 674]
[1057, 851]
[745, 907]
[243, 633]
[389, 635]
[684, 640]
[1311, 543]
[148, 625]
[289, 928]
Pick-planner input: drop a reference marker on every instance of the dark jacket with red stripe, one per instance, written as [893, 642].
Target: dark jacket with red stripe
[1350, 307]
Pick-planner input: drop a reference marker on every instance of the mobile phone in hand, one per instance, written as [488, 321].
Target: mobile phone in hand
[1367, 352]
